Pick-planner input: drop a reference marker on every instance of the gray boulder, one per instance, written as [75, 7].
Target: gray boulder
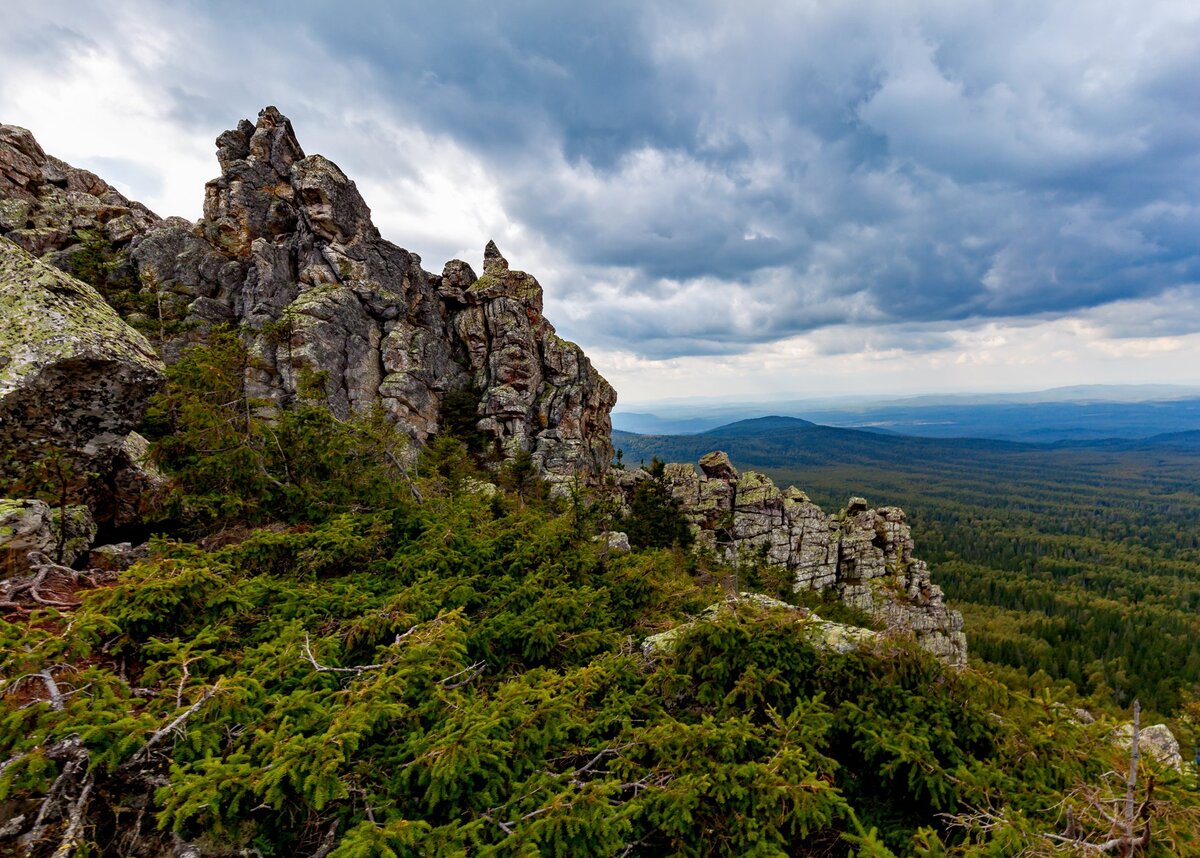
[32, 526]
[74, 381]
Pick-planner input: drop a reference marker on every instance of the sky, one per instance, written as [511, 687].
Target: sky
[745, 200]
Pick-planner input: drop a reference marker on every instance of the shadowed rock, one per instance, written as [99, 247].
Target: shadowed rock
[74, 381]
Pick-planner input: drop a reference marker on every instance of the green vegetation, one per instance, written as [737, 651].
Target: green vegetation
[655, 518]
[340, 651]
[1074, 566]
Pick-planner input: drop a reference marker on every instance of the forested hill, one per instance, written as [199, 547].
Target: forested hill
[790, 441]
[1080, 559]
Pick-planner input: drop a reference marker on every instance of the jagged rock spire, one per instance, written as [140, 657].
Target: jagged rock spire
[493, 263]
[287, 252]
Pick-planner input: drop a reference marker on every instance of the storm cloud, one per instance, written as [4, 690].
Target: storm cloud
[693, 179]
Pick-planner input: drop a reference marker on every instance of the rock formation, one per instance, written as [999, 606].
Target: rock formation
[864, 555]
[68, 217]
[74, 382]
[286, 252]
[31, 525]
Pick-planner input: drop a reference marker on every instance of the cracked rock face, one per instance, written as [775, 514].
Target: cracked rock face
[865, 555]
[287, 252]
[74, 381]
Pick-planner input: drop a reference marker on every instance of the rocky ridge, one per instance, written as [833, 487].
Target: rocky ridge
[55, 211]
[865, 555]
[286, 251]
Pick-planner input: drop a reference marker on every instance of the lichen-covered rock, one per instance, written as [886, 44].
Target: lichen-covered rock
[32, 525]
[615, 541]
[822, 634]
[1156, 741]
[74, 381]
[117, 557]
[865, 555]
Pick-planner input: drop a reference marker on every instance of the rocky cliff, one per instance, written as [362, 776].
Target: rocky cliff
[74, 382]
[287, 253]
[865, 555]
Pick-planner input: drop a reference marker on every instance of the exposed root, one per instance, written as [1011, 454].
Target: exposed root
[51, 585]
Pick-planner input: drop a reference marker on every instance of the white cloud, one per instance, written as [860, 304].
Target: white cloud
[798, 197]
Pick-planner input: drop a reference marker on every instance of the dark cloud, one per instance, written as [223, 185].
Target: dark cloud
[717, 175]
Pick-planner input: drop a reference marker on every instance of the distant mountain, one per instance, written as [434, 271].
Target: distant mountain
[1187, 442]
[776, 442]
[1082, 414]
[757, 426]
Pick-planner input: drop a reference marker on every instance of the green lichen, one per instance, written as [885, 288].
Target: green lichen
[13, 213]
[754, 487]
[50, 316]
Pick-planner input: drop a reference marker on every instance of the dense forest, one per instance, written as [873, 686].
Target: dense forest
[334, 650]
[1074, 564]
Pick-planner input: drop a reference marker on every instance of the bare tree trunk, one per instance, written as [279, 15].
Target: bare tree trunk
[1131, 784]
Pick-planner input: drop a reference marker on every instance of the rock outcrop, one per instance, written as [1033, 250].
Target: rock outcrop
[287, 252]
[71, 218]
[74, 382]
[865, 555]
[32, 526]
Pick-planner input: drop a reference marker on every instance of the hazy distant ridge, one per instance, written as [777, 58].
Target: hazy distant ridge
[1083, 413]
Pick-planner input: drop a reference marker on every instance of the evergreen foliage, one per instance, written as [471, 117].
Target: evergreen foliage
[372, 662]
[236, 460]
[655, 518]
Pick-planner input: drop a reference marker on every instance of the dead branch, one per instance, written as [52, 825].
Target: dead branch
[327, 842]
[1131, 784]
[65, 777]
[161, 733]
[357, 669]
[70, 840]
[22, 594]
[56, 698]
[472, 670]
